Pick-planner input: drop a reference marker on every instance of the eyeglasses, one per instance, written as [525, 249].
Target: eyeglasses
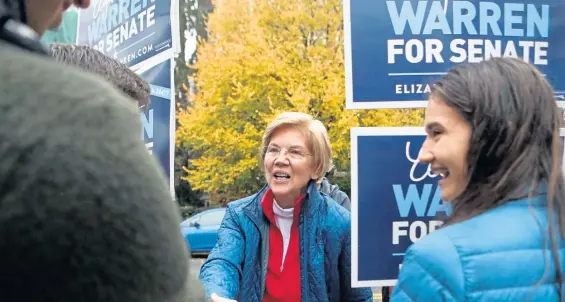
[293, 153]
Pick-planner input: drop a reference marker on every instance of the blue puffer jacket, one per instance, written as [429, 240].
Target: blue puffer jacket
[496, 256]
[237, 267]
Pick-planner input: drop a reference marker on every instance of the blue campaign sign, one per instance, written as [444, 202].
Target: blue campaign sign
[384, 164]
[131, 31]
[395, 49]
[158, 121]
[395, 200]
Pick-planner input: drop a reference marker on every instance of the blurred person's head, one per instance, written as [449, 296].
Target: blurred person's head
[295, 150]
[41, 15]
[91, 60]
[493, 135]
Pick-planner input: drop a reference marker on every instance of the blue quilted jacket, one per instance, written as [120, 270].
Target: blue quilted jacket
[237, 266]
[496, 256]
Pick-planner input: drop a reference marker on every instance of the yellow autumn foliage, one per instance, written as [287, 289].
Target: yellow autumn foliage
[264, 57]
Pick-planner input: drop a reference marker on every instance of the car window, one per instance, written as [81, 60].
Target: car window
[189, 221]
[212, 218]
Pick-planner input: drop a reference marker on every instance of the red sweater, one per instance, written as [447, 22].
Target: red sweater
[283, 279]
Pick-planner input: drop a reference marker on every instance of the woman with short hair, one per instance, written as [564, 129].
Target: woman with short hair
[288, 242]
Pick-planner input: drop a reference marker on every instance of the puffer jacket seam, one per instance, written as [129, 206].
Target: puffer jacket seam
[463, 285]
[435, 279]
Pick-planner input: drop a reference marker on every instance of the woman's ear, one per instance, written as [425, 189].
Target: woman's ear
[315, 175]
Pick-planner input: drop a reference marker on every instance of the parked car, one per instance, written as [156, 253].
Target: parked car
[201, 230]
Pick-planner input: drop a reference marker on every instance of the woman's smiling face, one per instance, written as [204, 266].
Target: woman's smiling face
[446, 147]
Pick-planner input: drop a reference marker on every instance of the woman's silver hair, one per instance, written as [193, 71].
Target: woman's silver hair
[91, 60]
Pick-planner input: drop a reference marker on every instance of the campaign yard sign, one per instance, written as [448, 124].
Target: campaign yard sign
[396, 49]
[158, 121]
[395, 201]
[131, 31]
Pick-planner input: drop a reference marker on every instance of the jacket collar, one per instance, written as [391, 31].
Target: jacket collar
[311, 203]
[268, 201]
[537, 197]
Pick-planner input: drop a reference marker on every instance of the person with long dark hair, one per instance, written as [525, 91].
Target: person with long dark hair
[493, 137]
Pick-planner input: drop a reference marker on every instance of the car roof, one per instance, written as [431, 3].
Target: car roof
[210, 210]
[204, 212]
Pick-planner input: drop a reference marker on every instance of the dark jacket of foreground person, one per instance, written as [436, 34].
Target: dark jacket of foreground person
[85, 213]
